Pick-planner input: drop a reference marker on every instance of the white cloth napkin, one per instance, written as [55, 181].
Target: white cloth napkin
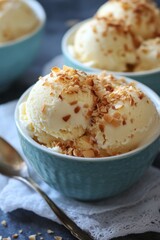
[135, 211]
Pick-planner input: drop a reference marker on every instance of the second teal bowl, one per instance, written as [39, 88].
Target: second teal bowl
[150, 78]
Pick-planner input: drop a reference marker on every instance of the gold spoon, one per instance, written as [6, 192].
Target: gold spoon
[12, 165]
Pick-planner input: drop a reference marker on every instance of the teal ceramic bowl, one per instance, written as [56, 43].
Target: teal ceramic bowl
[17, 55]
[150, 78]
[89, 178]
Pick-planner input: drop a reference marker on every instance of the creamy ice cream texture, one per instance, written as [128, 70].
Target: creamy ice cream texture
[17, 19]
[148, 55]
[110, 40]
[141, 16]
[87, 115]
[102, 44]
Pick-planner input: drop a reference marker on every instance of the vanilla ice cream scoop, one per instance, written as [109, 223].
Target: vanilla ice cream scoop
[124, 118]
[88, 115]
[58, 105]
[141, 16]
[102, 44]
[148, 55]
[16, 20]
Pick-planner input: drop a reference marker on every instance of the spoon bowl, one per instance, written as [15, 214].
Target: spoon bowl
[12, 165]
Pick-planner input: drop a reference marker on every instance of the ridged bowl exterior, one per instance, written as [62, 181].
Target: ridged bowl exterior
[89, 180]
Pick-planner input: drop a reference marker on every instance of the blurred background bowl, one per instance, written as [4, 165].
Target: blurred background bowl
[151, 78]
[89, 178]
[17, 55]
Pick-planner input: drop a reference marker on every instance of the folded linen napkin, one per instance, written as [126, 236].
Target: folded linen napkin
[135, 211]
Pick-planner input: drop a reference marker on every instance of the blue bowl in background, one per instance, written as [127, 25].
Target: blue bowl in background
[90, 178]
[151, 78]
[17, 56]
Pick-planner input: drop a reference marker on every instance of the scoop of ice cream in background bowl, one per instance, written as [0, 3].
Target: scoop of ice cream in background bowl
[89, 136]
[21, 30]
[118, 39]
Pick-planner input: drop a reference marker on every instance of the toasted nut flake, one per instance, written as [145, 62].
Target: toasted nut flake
[73, 89]
[77, 109]
[60, 96]
[49, 231]
[76, 152]
[67, 117]
[90, 82]
[141, 95]
[47, 84]
[85, 105]
[88, 153]
[144, 50]
[117, 115]
[101, 127]
[43, 108]
[32, 237]
[115, 122]
[73, 103]
[118, 105]
[15, 235]
[58, 238]
[4, 223]
[108, 118]
[8, 238]
[55, 69]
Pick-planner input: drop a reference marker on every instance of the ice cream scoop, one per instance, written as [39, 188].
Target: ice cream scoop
[16, 20]
[148, 55]
[141, 16]
[88, 115]
[58, 105]
[103, 44]
[124, 116]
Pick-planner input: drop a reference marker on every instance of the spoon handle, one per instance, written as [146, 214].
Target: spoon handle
[67, 222]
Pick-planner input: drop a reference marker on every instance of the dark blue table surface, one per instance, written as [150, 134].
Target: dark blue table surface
[58, 13]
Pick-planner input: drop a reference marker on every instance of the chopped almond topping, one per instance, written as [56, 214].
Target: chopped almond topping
[85, 105]
[4, 223]
[56, 69]
[158, 55]
[49, 231]
[117, 115]
[144, 50]
[67, 117]
[43, 108]
[32, 237]
[60, 96]
[77, 109]
[15, 235]
[108, 118]
[101, 127]
[116, 122]
[94, 29]
[58, 238]
[88, 153]
[73, 103]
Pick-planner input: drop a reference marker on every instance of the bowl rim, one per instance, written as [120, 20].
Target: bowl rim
[64, 46]
[149, 92]
[40, 13]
